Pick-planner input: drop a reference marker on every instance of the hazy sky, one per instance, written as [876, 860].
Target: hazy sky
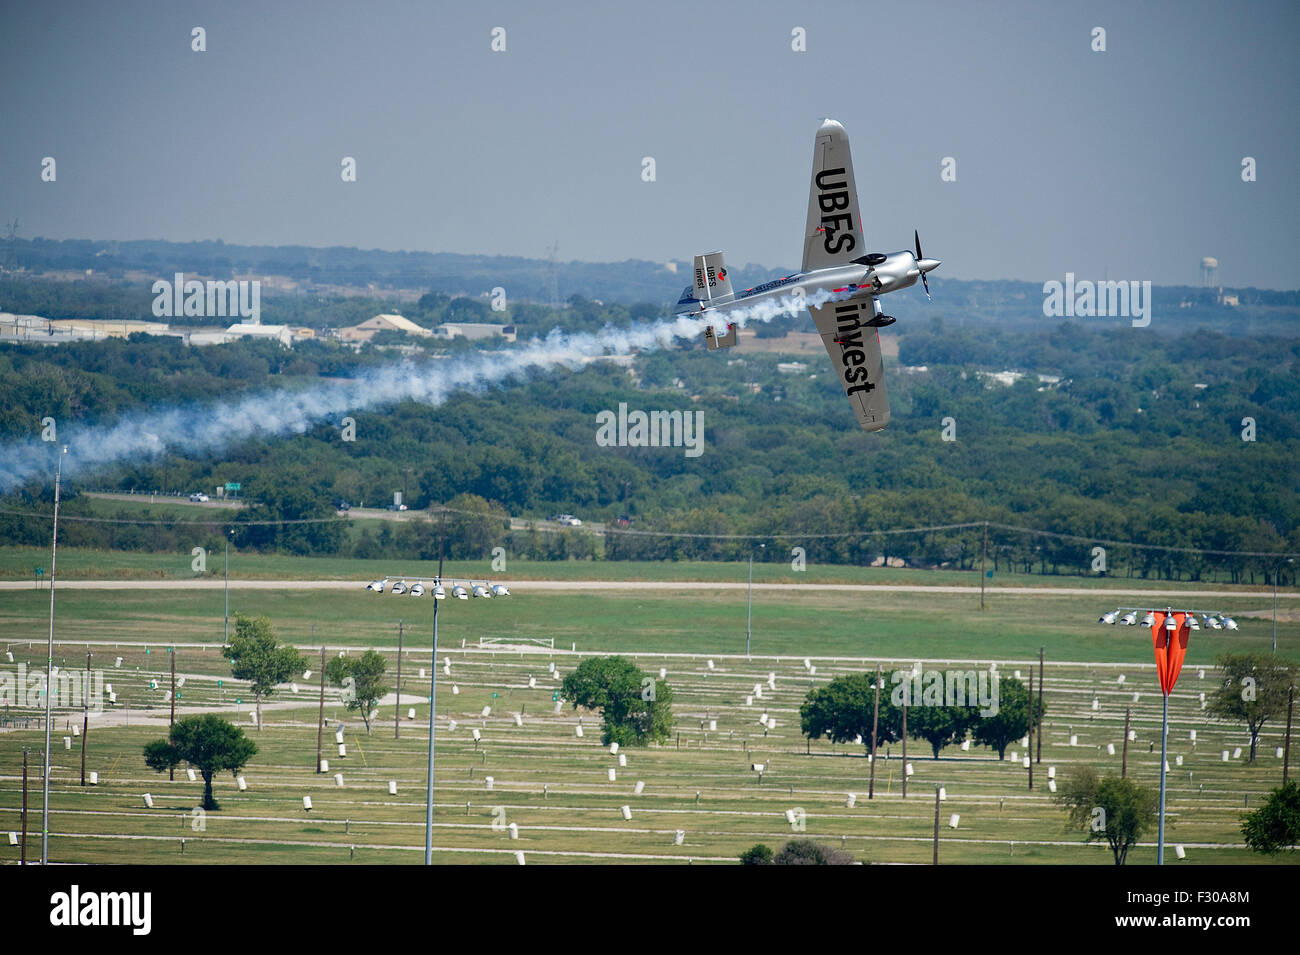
[1125, 163]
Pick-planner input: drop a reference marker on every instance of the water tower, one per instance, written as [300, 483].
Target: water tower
[1209, 272]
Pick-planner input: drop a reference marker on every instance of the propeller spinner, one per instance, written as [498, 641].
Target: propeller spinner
[924, 264]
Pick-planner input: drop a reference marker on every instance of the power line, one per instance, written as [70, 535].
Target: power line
[689, 535]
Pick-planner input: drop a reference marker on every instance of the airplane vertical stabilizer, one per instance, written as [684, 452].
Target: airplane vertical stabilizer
[712, 283]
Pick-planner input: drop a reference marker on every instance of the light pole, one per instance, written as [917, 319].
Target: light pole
[49, 665]
[461, 590]
[749, 603]
[1170, 630]
[229, 533]
[1276, 567]
[439, 594]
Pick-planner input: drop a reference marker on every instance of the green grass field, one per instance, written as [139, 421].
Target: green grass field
[18, 563]
[554, 785]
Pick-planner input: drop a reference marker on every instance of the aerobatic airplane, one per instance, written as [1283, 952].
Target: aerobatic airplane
[833, 261]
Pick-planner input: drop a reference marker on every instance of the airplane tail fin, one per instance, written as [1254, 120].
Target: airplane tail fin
[712, 283]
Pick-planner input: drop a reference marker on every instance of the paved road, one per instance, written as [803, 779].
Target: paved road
[1182, 597]
[356, 513]
[217, 503]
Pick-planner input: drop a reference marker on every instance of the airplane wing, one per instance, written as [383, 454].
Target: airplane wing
[855, 356]
[834, 232]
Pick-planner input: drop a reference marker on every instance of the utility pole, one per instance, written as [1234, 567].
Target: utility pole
[1286, 751]
[1029, 750]
[904, 747]
[171, 719]
[875, 723]
[226, 632]
[23, 851]
[1276, 567]
[85, 719]
[1038, 717]
[1123, 765]
[320, 719]
[936, 824]
[749, 603]
[397, 713]
[49, 667]
[983, 553]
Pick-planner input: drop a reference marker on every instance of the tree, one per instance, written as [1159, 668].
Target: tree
[636, 708]
[362, 679]
[940, 726]
[842, 711]
[1254, 690]
[1114, 808]
[1011, 721]
[255, 656]
[807, 852]
[1275, 825]
[757, 855]
[208, 743]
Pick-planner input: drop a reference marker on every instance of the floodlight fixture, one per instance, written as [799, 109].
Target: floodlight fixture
[1108, 617]
[1230, 623]
[1149, 620]
[417, 589]
[499, 590]
[459, 592]
[377, 586]
[480, 590]
[1171, 623]
[399, 588]
[1129, 619]
[439, 592]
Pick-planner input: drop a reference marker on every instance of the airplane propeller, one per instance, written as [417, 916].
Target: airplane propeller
[924, 280]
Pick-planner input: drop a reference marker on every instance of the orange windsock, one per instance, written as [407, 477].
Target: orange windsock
[1170, 646]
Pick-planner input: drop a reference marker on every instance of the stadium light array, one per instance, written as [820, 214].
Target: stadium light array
[1212, 619]
[398, 586]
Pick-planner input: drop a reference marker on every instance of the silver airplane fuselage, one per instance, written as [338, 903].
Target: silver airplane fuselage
[897, 271]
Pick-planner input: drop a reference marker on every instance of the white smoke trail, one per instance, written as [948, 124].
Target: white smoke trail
[200, 429]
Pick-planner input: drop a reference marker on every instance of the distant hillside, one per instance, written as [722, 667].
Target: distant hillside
[299, 278]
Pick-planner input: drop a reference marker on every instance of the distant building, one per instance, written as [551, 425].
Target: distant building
[280, 333]
[39, 330]
[371, 327]
[204, 337]
[93, 329]
[791, 367]
[475, 331]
